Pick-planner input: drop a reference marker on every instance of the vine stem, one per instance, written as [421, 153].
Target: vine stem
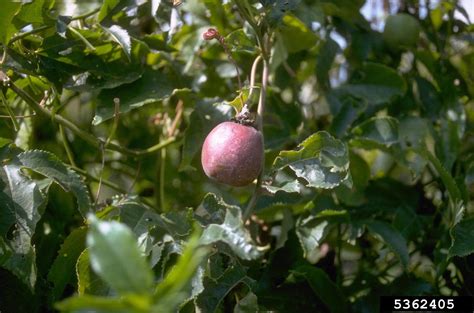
[253, 73]
[89, 138]
[260, 111]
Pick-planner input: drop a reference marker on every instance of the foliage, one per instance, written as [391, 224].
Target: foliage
[368, 182]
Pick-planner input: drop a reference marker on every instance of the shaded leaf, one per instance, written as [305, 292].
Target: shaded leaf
[392, 238]
[311, 232]
[383, 130]
[49, 165]
[462, 234]
[247, 304]
[233, 233]
[323, 287]
[63, 268]
[215, 290]
[152, 87]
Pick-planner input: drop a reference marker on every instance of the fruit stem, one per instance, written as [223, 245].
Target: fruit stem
[260, 111]
[253, 73]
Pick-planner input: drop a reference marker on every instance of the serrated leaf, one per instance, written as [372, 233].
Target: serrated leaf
[88, 282]
[7, 29]
[184, 280]
[311, 231]
[203, 119]
[62, 270]
[248, 304]
[382, 130]
[392, 238]
[463, 234]
[152, 87]
[141, 218]
[321, 160]
[215, 290]
[324, 288]
[122, 37]
[49, 165]
[210, 210]
[21, 203]
[116, 258]
[233, 233]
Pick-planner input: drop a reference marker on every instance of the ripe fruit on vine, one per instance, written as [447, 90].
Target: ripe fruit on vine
[401, 31]
[233, 154]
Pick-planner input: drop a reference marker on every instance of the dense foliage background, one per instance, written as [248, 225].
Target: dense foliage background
[369, 173]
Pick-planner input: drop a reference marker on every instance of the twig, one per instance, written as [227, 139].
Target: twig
[116, 121]
[11, 115]
[162, 180]
[69, 153]
[104, 181]
[45, 27]
[177, 118]
[94, 141]
[102, 166]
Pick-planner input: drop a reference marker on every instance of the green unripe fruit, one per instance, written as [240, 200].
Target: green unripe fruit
[401, 31]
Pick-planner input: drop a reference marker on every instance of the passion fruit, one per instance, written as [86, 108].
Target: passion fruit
[232, 154]
[401, 31]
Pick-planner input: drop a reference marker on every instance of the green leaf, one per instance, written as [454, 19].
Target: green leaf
[116, 258]
[151, 88]
[311, 231]
[248, 304]
[210, 211]
[21, 203]
[203, 119]
[323, 287]
[216, 290]
[62, 270]
[177, 286]
[321, 160]
[141, 218]
[96, 304]
[462, 234]
[36, 13]
[233, 233]
[392, 238]
[296, 36]
[122, 37]
[375, 83]
[325, 60]
[7, 29]
[49, 165]
[110, 7]
[382, 130]
[88, 282]
[345, 109]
